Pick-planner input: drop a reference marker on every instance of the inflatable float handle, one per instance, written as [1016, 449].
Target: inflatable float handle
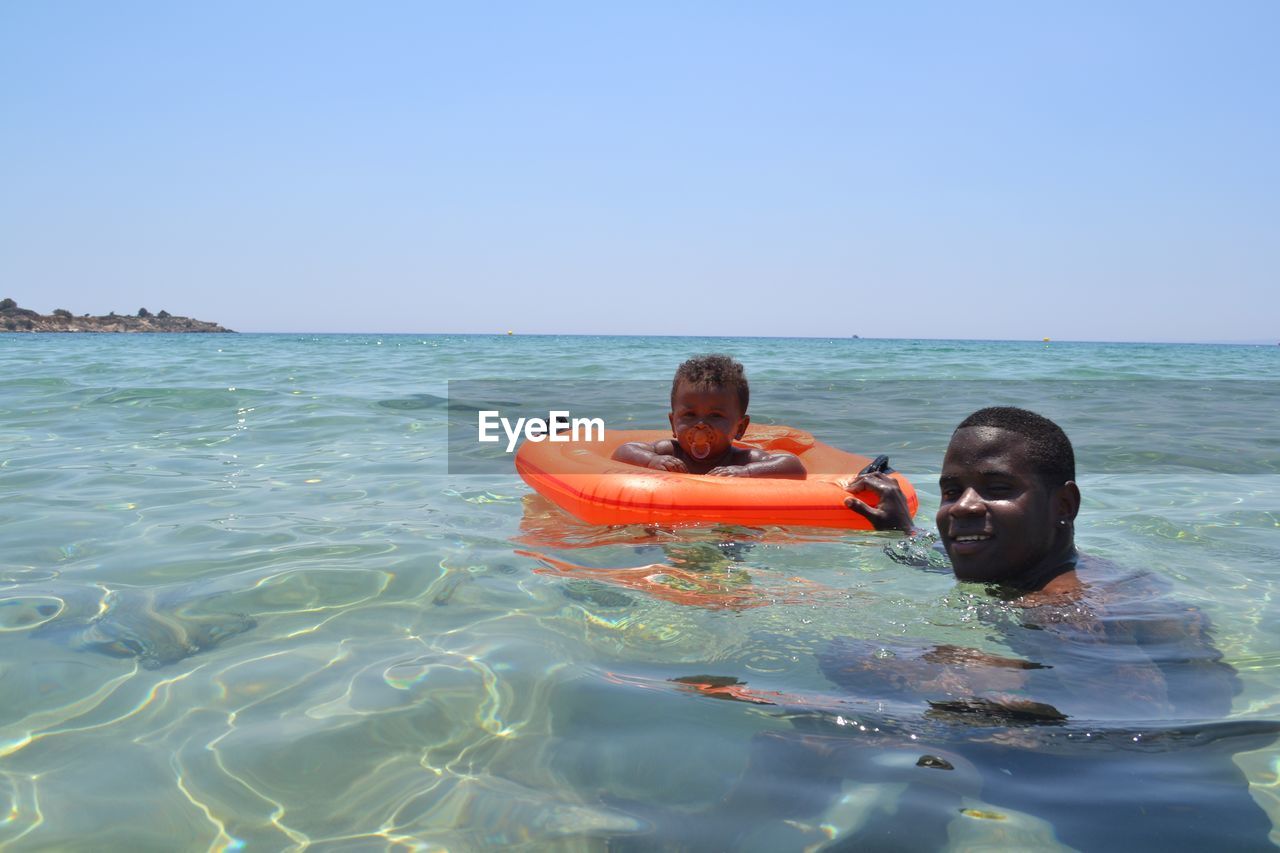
[879, 465]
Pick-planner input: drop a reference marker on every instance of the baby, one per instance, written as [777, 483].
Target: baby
[708, 412]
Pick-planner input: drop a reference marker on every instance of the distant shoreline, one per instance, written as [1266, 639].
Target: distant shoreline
[16, 319]
[816, 338]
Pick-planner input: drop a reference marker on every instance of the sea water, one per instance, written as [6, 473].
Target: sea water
[248, 601]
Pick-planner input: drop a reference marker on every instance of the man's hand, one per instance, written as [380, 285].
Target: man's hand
[891, 513]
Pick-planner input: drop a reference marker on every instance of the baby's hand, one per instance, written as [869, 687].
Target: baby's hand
[668, 463]
[730, 471]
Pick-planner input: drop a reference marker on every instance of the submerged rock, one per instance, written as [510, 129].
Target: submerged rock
[157, 639]
[156, 627]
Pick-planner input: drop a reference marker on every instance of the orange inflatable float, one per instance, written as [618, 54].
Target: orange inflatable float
[581, 478]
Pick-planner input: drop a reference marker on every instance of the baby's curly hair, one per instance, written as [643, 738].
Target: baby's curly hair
[713, 371]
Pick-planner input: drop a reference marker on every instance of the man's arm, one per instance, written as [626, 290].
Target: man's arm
[1100, 669]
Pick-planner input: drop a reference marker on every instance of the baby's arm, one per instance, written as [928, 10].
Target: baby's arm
[650, 454]
[781, 466]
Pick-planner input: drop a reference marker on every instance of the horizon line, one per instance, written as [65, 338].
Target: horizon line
[511, 334]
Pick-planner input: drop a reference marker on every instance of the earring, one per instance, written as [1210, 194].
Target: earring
[1062, 522]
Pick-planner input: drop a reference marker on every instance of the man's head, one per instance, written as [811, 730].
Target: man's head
[1049, 449]
[709, 398]
[1008, 498]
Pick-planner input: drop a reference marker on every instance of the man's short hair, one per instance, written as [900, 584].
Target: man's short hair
[713, 371]
[1050, 449]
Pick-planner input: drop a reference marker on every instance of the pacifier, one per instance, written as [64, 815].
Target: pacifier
[700, 442]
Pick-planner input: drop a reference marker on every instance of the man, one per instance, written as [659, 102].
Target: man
[1007, 518]
[1009, 502]
[1111, 652]
[1101, 728]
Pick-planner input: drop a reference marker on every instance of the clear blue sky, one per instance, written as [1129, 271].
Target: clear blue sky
[1084, 170]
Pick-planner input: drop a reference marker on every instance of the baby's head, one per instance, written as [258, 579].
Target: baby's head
[709, 398]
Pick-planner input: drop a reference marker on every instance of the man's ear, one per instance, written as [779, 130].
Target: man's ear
[1067, 500]
[742, 426]
[671, 419]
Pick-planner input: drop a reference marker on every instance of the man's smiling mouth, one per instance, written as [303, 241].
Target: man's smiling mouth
[972, 537]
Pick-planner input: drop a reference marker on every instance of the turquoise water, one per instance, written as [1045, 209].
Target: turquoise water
[243, 602]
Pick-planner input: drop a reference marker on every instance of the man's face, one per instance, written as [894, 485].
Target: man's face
[705, 421]
[997, 520]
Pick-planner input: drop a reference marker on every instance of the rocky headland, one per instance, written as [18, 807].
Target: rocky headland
[15, 319]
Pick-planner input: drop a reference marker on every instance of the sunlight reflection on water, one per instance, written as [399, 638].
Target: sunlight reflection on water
[261, 618]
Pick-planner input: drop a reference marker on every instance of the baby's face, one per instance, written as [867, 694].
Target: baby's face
[705, 421]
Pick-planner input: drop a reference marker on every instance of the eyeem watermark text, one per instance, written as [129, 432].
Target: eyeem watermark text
[559, 426]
